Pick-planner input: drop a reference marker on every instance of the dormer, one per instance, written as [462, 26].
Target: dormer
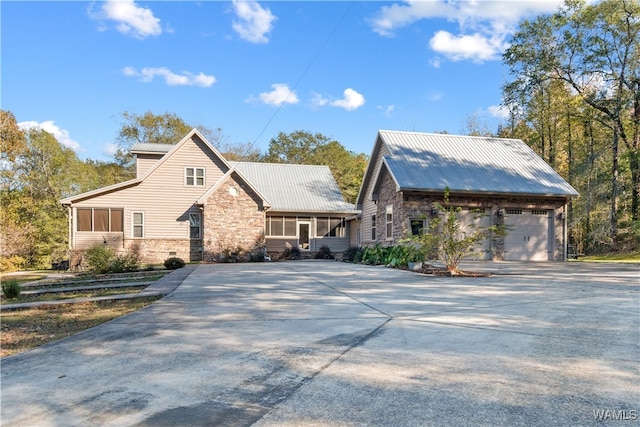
[147, 155]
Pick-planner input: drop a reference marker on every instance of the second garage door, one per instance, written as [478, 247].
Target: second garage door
[528, 236]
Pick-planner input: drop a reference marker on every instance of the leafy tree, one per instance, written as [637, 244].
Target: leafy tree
[34, 224]
[303, 147]
[591, 52]
[12, 140]
[150, 128]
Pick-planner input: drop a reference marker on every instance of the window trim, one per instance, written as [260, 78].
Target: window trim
[389, 222]
[199, 216]
[340, 228]
[92, 220]
[423, 229]
[134, 225]
[194, 176]
[373, 227]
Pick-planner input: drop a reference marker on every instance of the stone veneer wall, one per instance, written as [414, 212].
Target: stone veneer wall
[231, 221]
[408, 205]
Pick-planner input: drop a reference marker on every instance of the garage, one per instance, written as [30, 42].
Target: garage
[472, 220]
[528, 236]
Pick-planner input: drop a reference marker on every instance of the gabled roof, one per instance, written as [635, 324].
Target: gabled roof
[170, 149]
[434, 162]
[296, 188]
[203, 199]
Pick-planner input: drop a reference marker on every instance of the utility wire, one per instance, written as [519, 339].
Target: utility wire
[275, 113]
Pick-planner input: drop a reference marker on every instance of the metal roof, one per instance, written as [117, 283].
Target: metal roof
[295, 188]
[143, 147]
[425, 161]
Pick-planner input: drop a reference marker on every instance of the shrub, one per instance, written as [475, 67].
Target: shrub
[174, 263]
[352, 254]
[99, 258]
[291, 253]
[13, 263]
[11, 288]
[102, 259]
[124, 263]
[375, 255]
[324, 253]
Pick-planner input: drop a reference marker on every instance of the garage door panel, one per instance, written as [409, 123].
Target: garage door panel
[528, 235]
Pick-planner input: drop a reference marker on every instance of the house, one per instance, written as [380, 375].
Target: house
[188, 201]
[494, 181]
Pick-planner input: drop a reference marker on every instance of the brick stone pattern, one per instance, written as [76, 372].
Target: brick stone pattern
[408, 205]
[233, 220]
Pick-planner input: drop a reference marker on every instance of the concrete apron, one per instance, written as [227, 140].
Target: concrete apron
[328, 343]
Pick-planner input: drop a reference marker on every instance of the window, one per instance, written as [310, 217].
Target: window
[373, 227]
[281, 226]
[389, 221]
[330, 227]
[194, 176]
[194, 226]
[514, 211]
[539, 212]
[418, 226]
[138, 224]
[99, 219]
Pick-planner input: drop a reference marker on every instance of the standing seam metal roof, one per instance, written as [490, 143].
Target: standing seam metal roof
[295, 188]
[424, 161]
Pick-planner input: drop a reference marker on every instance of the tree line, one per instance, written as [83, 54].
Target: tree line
[573, 96]
[575, 99]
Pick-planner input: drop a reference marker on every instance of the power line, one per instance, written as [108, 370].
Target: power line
[291, 90]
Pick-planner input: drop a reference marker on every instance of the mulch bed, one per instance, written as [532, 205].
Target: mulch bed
[445, 272]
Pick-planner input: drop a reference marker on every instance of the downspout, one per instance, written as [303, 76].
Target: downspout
[565, 242]
[69, 225]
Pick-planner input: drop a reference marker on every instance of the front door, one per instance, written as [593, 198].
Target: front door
[303, 235]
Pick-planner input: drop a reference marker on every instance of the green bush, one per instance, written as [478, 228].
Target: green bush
[174, 263]
[291, 253]
[99, 258]
[11, 288]
[375, 255]
[102, 260]
[324, 253]
[352, 254]
[124, 263]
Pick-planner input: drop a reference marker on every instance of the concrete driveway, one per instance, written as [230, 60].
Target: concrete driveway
[328, 343]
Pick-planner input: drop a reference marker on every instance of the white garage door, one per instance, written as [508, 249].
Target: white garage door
[472, 220]
[528, 235]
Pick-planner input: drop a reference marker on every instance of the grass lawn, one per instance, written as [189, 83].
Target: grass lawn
[23, 330]
[633, 257]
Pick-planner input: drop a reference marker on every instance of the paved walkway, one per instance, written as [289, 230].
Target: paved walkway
[328, 343]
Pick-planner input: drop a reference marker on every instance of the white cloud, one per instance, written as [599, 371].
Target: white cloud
[498, 111]
[254, 23]
[281, 94]
[476, 47]
[387, 110]
[62, 135]
[317, 100]
[483, 26]
[350, 101]
[109, 149]
[130, 18]
[172, 79]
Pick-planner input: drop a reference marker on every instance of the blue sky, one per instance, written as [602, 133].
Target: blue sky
[253, 69]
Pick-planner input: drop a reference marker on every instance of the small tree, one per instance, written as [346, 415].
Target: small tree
[447, 240]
